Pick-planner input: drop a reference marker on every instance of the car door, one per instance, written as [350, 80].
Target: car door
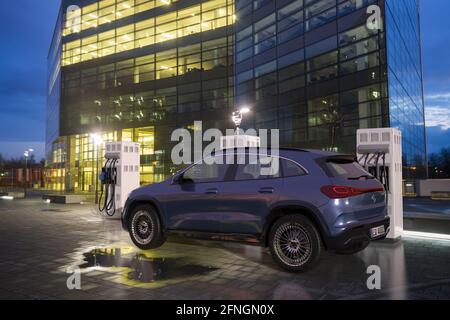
[248, 198]
[191, 204]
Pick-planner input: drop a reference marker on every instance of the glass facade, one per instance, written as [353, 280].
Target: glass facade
[101, 13]
[313, 69]
[406, 102]
[205, 16]
[159, 66]
[138, 69]
[55, 173]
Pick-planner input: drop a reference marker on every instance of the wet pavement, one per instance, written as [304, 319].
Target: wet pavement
[427, 207]
[40, 243]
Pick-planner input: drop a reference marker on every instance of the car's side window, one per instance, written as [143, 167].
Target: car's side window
[291, 169]
[203, 172]
[261, 169]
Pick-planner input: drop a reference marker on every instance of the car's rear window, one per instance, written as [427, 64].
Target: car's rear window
[345, 169]
[291, 169]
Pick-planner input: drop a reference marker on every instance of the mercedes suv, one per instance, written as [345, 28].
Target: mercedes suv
[309, 202]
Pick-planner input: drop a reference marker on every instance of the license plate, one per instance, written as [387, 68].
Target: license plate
[377, 232]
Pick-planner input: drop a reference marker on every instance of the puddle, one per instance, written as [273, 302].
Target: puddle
[54, 210]
[140, 267]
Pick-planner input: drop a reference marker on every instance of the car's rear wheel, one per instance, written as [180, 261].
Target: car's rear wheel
[145, 228]
[295, 243]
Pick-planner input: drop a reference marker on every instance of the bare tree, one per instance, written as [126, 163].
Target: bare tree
[439, 164]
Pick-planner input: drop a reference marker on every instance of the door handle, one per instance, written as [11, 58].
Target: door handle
[212, 191]
[267, 190]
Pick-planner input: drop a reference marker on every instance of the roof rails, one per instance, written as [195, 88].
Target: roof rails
[294, 149]
[267, 148]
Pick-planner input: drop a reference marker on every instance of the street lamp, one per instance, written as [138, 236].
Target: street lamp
[98, 141]
[26, 154]
[238, 116]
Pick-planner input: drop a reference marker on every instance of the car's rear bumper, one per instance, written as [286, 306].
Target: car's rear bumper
[357, 238]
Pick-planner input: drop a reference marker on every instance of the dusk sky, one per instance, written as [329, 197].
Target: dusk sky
[27, 26]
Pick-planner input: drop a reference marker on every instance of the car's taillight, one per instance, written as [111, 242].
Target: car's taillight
[342, 192]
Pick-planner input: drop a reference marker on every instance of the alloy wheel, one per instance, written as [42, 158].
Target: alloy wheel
[292, 244]
[143, 227]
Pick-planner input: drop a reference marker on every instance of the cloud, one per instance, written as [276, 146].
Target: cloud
[437, 110]
[442, 96]
[438, 116]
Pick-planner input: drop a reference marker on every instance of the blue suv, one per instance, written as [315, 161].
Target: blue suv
[314, 201]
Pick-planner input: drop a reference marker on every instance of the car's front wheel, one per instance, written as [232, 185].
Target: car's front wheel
[295, 243]
[145, 228]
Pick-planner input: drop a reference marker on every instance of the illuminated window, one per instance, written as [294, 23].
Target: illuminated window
[209, 16]
[166, 64]
[145, 32]
[105, 12]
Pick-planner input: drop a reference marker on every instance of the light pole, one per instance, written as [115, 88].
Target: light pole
[27, 154]
[98, 141]
[334, 120]
[238, 116]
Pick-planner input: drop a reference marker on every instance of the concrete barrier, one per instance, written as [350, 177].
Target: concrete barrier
[439, 195]
[64, 198]
[14, 194]
[425, 188]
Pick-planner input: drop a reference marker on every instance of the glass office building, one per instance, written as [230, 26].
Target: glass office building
[134, 70]
[405, 82]
[138, 69]
[317, 71]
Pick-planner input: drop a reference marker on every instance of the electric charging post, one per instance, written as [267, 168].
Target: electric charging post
[380, 153]
[120, 176]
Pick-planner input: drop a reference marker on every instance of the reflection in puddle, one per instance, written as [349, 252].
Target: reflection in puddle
[140, 267]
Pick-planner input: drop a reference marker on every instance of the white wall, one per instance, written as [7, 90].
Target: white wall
[425, 187]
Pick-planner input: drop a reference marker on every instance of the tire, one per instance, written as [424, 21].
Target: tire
[145, 229]
[295, 243]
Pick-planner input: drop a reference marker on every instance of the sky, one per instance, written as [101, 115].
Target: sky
[26, 28]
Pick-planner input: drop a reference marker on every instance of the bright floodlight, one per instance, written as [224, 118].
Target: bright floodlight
[245, 110]
[238, 116]
[98, 140]
[28, 152]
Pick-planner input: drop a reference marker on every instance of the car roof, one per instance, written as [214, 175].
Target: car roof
[288, 150]
[320, 153]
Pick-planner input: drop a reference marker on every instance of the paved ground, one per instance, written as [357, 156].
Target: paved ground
[39, 242]
[426, 215]
[427, 207]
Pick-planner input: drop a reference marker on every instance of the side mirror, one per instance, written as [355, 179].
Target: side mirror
[180, 179]
[177, 178]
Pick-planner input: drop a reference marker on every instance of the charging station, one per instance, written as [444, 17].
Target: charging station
[380, 153]
[119, 177]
